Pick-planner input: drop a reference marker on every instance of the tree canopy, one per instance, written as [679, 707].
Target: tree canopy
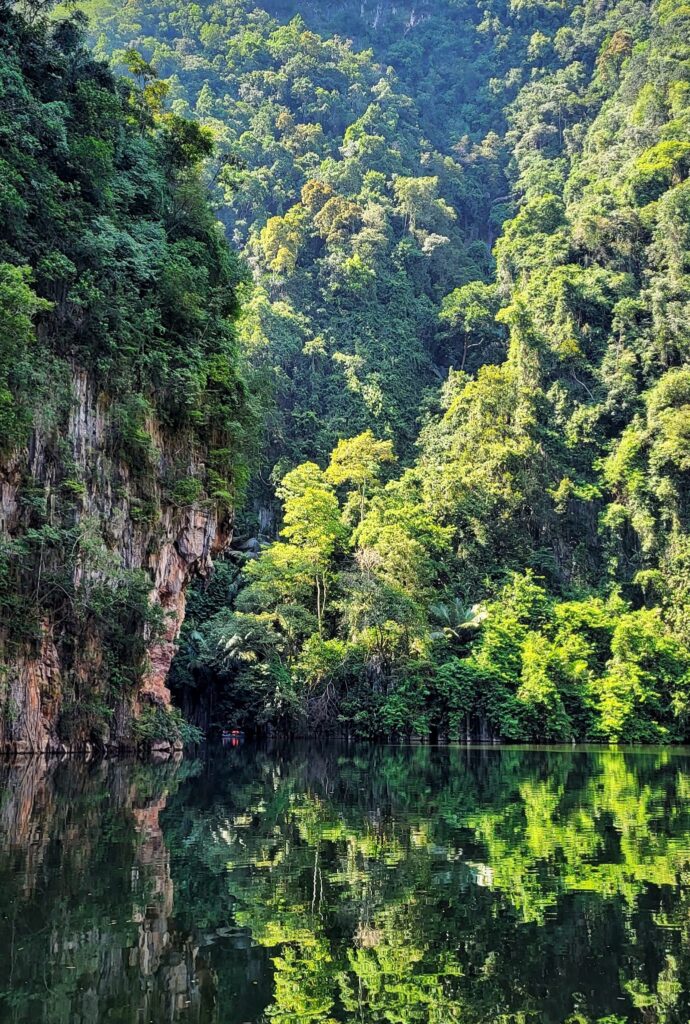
[466, 328]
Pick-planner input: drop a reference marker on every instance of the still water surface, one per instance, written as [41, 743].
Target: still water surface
[304, 885]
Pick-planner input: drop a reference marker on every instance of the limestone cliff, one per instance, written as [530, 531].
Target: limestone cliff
[123, 408]
[395, 16]
[171, 544]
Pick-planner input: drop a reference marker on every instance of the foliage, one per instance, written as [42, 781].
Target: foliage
[118, 296]
[327, 181]
[157, 724]
[549, 490]
[514, 225]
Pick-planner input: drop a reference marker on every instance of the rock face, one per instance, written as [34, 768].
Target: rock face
[187, 550]
[110, 537]
[393, 16]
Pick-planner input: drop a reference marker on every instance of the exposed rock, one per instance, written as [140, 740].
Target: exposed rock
[190, 552]
[172, 544]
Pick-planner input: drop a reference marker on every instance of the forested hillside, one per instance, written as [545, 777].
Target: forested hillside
[354, 223]
[123, 410]
[467, 227]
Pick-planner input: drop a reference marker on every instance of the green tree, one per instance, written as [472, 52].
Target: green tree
[358, 461]
[313, 525]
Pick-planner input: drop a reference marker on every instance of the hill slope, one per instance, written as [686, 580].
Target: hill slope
[524, 573]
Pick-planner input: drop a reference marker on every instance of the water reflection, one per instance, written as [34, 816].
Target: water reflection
[86, 897]
[376, 885]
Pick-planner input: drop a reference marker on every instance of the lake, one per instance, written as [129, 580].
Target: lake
[367, 884]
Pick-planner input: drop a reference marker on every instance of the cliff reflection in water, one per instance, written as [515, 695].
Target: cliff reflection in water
[86, 897]
[376, 884]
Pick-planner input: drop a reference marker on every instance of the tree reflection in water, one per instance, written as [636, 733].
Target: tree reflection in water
[372, 884]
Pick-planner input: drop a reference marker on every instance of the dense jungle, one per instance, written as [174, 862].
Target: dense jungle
[344, 370]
